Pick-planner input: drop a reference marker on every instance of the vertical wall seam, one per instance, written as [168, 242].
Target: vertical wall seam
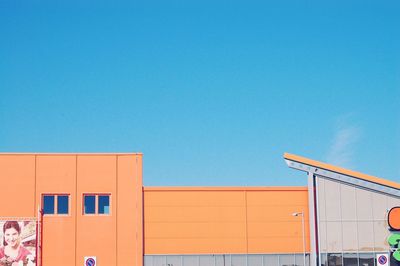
[357, 220]
[341, 218]
[34, 192]
[317, 192]
[139, 239]
[116, 209]
[373, 224]
[139, 211]
[136, 212]
[76, 206]
[326, 222]
[247, 235]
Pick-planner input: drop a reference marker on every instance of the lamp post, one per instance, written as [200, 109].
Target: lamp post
[296, 214]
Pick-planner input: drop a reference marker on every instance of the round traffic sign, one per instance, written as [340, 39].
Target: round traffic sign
[90, 262]
[382, 259]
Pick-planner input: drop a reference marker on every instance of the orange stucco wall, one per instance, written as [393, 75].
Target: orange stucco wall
[116, 239]
[224, 220]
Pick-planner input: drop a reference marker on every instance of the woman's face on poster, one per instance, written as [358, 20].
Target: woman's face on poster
[11, 237]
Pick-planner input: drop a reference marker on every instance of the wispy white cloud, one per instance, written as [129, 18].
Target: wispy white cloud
[343, 145]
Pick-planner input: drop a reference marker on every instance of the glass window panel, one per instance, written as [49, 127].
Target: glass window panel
[334, 236]
[286, 260]
[299, 259]
[148, 260]
[62, 204]
[332, 200]
[379, 206]
[367, 259]
[322, 236]
[254, 260]
[238, 260]
[220, 260]
[174, 260]
[48, 204]
[381, 234]
[348, 202]
[334, 259]
[159, 261]
[206, 260]
[192, 260]
[393, 261]
[104, 204]
[324, 260]
[350, 259]
[321, 199]
[365, 236]
[90, 204]
[272, 260]
[364, 203]
[350, 242]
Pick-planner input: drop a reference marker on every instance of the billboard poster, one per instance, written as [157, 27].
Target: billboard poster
[18, 242]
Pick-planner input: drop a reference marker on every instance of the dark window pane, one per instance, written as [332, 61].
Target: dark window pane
[104, 204]
[90, 204]
[350, 259]
[48, 204]
[324, 261]
[393, 261]
[367, 259]
[334, 259]
[62, 204]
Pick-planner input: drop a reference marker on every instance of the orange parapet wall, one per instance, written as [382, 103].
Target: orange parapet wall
[236, 220]
[115, 238]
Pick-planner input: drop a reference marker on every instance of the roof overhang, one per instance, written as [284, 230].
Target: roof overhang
[342, 175]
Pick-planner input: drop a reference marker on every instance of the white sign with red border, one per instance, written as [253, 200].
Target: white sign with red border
[90, 261]
[382, 259]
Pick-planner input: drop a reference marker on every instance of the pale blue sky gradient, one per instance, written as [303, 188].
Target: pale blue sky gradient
[213, 93]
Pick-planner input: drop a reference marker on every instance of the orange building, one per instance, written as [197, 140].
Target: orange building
[95, 211]
[113, 234]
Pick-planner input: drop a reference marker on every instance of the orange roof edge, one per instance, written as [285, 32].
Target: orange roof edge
[224, 188]
[71, 153]
[374, 179]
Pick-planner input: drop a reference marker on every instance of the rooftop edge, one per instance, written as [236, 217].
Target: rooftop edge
[340, 170]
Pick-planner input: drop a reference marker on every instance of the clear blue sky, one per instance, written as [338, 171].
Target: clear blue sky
[212, 92]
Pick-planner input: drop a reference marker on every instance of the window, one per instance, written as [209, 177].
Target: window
[350, 259]
[104, 204]
[62, 204]
[48, 204]
[90, 204]
[335, 259]
[367, 259]
[55, 204]
[96, 204]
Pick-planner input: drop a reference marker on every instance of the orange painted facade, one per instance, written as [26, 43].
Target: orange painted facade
[115, 238]
[237, 220]
[146, 221]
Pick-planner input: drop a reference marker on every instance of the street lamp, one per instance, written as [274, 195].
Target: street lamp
[296, 214]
